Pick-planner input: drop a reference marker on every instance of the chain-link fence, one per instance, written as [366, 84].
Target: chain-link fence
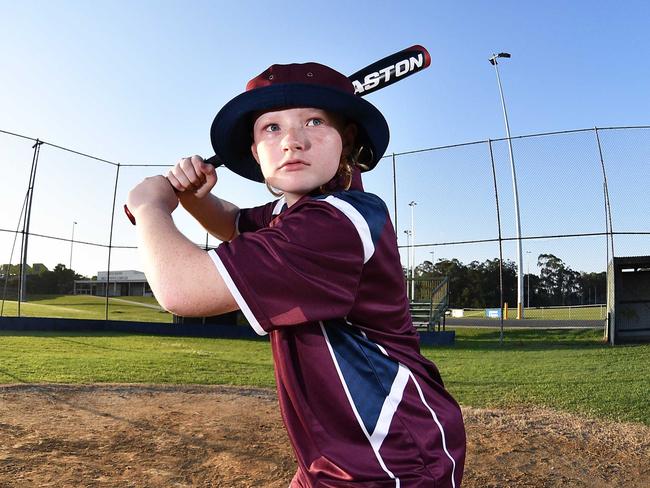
[581, 198]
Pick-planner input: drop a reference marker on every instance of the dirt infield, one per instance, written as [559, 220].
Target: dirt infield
[160, 436]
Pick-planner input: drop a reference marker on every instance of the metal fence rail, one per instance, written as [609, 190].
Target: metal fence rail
[582, 198]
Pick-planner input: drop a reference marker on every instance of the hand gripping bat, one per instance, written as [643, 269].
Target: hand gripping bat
[373, 77]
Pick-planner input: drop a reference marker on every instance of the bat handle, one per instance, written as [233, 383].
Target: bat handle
[129, 214]
[214, 161]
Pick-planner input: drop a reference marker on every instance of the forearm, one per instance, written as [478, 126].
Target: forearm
[216, 215]
[181, 275]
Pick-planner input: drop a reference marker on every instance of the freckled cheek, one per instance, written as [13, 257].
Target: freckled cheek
[335, 148]
[265, 152]
[335, 141]
[331, 143]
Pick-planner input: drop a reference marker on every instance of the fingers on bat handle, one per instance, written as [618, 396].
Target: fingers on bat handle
[214, 161]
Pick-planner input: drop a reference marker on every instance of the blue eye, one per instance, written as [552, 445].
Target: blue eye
[314, 122]
[272, 128]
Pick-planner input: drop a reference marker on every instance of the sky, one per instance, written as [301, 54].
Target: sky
[139, 82]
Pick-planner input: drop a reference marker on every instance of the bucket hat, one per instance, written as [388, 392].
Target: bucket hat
[288, 86]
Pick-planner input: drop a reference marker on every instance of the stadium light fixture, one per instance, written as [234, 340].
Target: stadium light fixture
[493, 59]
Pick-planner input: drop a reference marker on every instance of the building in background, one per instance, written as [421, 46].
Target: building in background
[120, 283]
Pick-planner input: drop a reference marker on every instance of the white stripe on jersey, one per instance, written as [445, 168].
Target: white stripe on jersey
[379, 346]
[442, 432]
[235, 293]
[278, 206]
[356, 412]
[359, 223]
[389, 407]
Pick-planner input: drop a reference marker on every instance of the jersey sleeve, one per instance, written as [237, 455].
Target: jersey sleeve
[304, 267]
[252, 219]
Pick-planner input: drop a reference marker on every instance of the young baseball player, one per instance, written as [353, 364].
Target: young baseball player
[318, 270]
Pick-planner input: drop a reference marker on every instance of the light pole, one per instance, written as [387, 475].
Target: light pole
[408, 258]
[72, 243]
[520, 278]
[412, 205]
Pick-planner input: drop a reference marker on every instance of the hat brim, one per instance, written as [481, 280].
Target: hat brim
[231, 129]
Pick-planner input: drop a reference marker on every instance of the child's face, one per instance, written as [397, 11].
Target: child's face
[299, 149]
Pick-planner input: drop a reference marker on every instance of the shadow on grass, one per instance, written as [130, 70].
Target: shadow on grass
[87, 344]
[58, 334]
[87, 301]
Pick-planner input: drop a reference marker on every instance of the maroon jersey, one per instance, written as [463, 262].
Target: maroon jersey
[361, 405]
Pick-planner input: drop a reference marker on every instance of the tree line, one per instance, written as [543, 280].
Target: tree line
[476, 285]
[473, 285]
[39, 279]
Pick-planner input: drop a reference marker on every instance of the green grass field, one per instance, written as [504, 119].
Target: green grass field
[139, 309]
[570, 370]
[566, 370]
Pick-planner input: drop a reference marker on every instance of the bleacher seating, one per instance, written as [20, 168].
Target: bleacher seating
[431, 303]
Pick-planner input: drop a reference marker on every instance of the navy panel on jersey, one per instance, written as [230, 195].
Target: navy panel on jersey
[368, 373]
[370, 206]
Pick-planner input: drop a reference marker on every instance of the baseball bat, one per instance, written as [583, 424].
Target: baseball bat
[373, 77]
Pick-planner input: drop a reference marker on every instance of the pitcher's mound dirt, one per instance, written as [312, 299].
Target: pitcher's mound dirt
[170, 436]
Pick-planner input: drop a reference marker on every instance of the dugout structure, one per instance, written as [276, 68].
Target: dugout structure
[628, 300]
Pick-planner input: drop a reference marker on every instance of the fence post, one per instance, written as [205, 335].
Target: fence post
[110, 241]
[609, 229]
[496, 198]
[7, 267]
[608, 206]
[22, 285]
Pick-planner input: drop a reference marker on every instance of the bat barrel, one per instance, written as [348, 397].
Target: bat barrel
[390, 69]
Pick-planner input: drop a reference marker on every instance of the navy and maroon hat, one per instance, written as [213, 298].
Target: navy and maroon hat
[286, 86]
